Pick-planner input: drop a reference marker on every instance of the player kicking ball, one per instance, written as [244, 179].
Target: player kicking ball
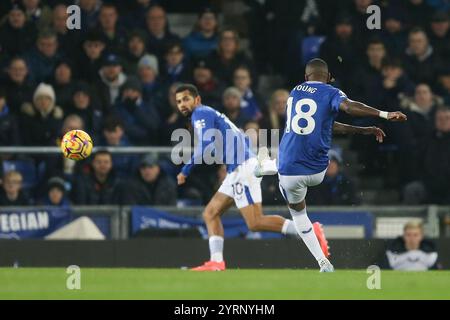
[240, 187]
[312, 108]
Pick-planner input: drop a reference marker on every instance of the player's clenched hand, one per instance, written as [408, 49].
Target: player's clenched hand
[377, 132]
[396, 116]
[181, 179]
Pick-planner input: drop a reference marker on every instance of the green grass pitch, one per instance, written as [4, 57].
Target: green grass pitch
[50, 283]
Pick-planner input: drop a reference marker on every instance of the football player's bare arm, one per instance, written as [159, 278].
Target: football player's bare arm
[359, 109]
[341, 128]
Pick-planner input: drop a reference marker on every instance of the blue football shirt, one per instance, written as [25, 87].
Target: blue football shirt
[219, 136]
[311, 110]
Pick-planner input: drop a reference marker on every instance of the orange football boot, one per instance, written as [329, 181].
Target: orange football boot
[318, 230]
[211, 266]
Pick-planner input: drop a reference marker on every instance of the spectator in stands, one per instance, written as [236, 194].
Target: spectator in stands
[421, 112]
[38, 13]
[114, 35]
[18, 87]
[99, 186]
[250, 103]
[411, 137]
[63, 84]
[394, 33]
[42, 59]
[68, 40]
[177, 68]
[152, 186]
[114, 136]
[440, 35]
[148, 72]
[140, 118]
[368, 76]
[232, 107]
[12, 194]
[42, 120]
[9, 130]
[336, 188]
[136, 49]
[433, 165]
[17, 36]
[444, 84]
[56, 193]
[84, 106]
[171, 118]
[111, 80]
[89, 13]
[394, 82]
[135, 19]
[72, 122]
[90, 58]
[411, 252]
[419, 12]
[436, 160]
[209, 87]
[204, 38]
[421, 62]
[227, 57]
[277, 110]
[359, 17]
[159, 35]
[342, 44]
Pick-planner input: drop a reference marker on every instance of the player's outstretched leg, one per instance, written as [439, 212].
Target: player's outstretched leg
[309, 235]
[257, 221]
[211, 215]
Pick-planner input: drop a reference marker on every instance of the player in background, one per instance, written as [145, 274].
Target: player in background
[240, 185]
[312, 108]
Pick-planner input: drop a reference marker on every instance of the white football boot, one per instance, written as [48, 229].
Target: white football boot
[265, 166]
[326, 266]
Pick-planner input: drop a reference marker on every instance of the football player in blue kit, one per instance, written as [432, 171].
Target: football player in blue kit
[240, 187]
[312, 108]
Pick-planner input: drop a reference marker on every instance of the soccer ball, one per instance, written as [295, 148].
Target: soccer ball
[76, 145]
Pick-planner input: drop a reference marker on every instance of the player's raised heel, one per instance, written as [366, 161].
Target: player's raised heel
[211, 266]
[265, 166]
[326, 266]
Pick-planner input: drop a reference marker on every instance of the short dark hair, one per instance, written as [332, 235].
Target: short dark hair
[47, 34]
[317, 62]
[442, 108]
[172, 45]
[418, 30]
[391, 62]
[243, 67]
[100, 152]
[108, 6]
[189, 87]
[111, 123]
[374, 41]
[317, 66]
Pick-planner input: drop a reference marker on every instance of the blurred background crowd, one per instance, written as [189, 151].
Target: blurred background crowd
[115, 78]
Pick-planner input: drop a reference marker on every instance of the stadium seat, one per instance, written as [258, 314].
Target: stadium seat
[311, 47]
[26, 167]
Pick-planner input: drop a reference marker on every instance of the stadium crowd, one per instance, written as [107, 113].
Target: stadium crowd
[115, 79]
